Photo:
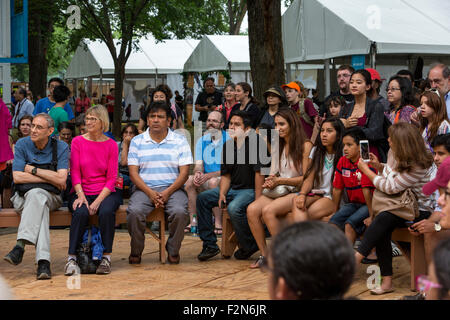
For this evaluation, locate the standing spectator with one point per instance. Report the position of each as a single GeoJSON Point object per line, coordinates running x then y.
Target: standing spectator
{"type": "Point", "coordinates": [343, 79]}
{"type": "Point", "coordinates": [128, 112]}
{"type": "Point", "coordinates": [314, 201]}
{"type": "Point", "coordinates": [248, 102]}
{"type": "Point", "coordinates": [275, 101]}
{"type": "Point", "coordinates": [433, 116]}
{"type": "Point", "coordinates": [109, 104]}
{"type": "Point", "coordinates": [365, 113]}
{"type": "Point", "coordinates": [23, 106]}
{"type": "Point", "coordinates": [158, 161]}
{"type": "Point", "coordinates": [229, 105]}
{"type": "Point", "coordinates": [93, 169]}
{"type": "Point", "coordinates": [208, 156]}
{"type": "Point", "coordinates": [31, 154]}
{"type": "Point", "coordinates": [30, 96]}
{"type": "Point", "coordinates": [179, 102]}
{"type": "Point", "coordinates": [302, 106]}
{"type": "Point", "coordinates": [61, 96]}
{"type": "Point", "coordinates": [82, 103]}
{"type": "Point", "coordinates": [310, 261]}
{"type": "Point", "coordinates": [46, 104]}
{"type": "Point", "coordinates": [287, 171]}
{"type": "Point", "coordinates": [374, 92]}
{"type": "Point", "coordinates": [404, 73]}
{"type": "Point", "coordinates": [408, 167]}
{"type": "Point", "coordinates": [208, 99]}
{"type": "Point", "coordinates": [240, 184]}
{"type": "Point", "coordinates": [439, 77]}
{"type": "Point", "coordinates": [400, 96]}
{"type": "Point", "coordinates": [334, 106]}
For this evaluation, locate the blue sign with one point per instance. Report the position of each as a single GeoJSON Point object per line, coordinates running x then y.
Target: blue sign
{"type": "Point", "coordinates": [358, 62]}
{"type": "Point", "coordinates": [19, 32]}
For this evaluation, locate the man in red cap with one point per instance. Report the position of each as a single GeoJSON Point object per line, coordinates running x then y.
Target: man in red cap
{"type": "Point", "coordinates": [374, 93]}
{"type": "Point", "coordinates": [432, 228]}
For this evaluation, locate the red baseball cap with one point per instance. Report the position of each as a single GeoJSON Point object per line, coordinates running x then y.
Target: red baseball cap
{"type": "Point", "coordinates": [374, 75]}
{"type": "Point", "coordinates": [440, 181]}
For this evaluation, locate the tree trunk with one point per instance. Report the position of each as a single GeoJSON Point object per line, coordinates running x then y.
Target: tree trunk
{"type": "Point", "coordinates": [266, 45]}
{"type": "Point", "coordinates": [39, 32]}
{"type": "Point", "coordinates": [119, 75]}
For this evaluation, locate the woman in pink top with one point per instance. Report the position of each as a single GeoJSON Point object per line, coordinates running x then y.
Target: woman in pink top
{"type": "Point", "coordinates": [93, 168]}
{"type": "Point", "coordinates": [6, 154]}
{"type": "Point", "coordinates": [82, 103]}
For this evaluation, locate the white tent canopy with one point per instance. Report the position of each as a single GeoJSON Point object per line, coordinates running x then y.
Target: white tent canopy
{"type": "Point", "coordinates": [323, 29]}
{"type": "Point", "coordinates": [167, 57]}
{"type": "Point", "coordinates": [220, 52]}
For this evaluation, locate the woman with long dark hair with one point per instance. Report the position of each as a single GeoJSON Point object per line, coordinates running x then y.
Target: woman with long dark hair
{"type": "Point", "coordinates": [287, 170]}
{"type": "Point", "coordinates": [314, 201]}
{"type": "Point", "coordinates": [248, 102]}
{"type": "Point", "coordinates": [400, 96]}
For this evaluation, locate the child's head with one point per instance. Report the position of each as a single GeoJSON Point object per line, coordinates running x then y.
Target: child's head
{"type": "Point", "coordinates": [334, 106]}
{"type": "Point", "coordinates": [432, 105]}
{"type": "Point", "coordinates": [350, 143]}
{"type": "Point", "coordinates": [441, 148]}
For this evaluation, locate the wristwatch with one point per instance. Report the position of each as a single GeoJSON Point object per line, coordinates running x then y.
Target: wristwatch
{"type": "Point", "coordinates": [34, 171]}
{"type": "Point", "coordinates": [437, 227]}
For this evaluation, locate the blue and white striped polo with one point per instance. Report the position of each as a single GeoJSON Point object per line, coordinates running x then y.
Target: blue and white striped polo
{"type": "Point", "coordinates": [159, 162]}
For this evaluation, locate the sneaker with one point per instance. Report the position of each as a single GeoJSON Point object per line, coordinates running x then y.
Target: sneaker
{"type": "Point", "coordinates": [43, 270]}
{"type": "Point", "coordinates": [242, 254]}
{"type": "Point", "coordinates": [15, 255]}
{"type": "Point", "coordinates": [395, 250]}
{"type": "Point", "coordinates": [71, 268]}
{"type": "Point", "coordinates": [104, 267]}
{"type": "Point", "coordinates": [208, 253]}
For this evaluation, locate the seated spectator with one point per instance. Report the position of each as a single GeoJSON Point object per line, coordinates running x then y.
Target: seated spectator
{"type": "Point", "coordinates": [302, 106]}
{"type": "Point", "coordinates": [400, 96]}
{"type": "Point", "coordinates": [128, 133]}
{"type": "Point", "coordinates": [374, 92]}
{"type": "Point", "coordinates": [436, 286]}
{"type": "Point", "coordinates": [66, 132]}
{"type": "Point", "coordinates": [24, 106]}
{"type": "Point", "coordinates": [240, 184]}
{"type": "Point", "coordinates": [334, 106]}
{"type": "Point", "coordinates": [158, 161]}
{"type": "Point", "coordinates": [25, 126]}
{"type": "Point", "coordinates": [93, 169]}
{"type": "Point", "coordinates": [47, 103]}
{"type": "Point", "coordinates": [61, 96]}
{"type": "Point", "coordinates": [408, 167]}
{"type": "Point", "coordinates": [275, 100]}
{"type": "Point", "coordinates": [80, 124]}
{"type": "Point", "coordinates": [310, 261]}
{"type": "Point", "coordinates": [32, 166]}
{"type": "Point", "coordinates": [433, 116]}
{"type": "Point", "coordinates": [229, 105]}
{"type": "Point", "coordinates": [286, 172]}
{"type": "Point", "coordinates": [208, 155]}
{"type": "Point", "coordinates": [365, 113]}
{"type": "Point", "coordinates": [314, 201]}
{"type": "Point", "coordinates": [352, 216]}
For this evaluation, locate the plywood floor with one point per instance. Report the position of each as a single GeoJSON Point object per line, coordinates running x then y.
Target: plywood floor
{"type": "Point", "coordinates": [215, 279]}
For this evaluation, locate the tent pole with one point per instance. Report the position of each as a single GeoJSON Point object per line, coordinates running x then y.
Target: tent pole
{"type": "Point", "coordinates": [373, 55]}
{"type": "Point", "coordinates": [327, 77]}
{"type": "Point", "coordinates": [101, 86]}
{"type": "Point", "coordinates": [288, 72]}
{"type": "Point", "coordinates": [156, 76]}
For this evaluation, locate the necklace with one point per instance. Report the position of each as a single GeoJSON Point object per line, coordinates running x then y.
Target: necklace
{"type": "Point", "coordinates": [329, 161]}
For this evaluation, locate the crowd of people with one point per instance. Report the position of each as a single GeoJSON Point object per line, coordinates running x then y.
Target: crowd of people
{"type": "Point", "coordinates": [344, 174]}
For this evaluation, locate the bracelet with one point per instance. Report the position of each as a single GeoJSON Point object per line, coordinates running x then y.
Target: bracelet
{"type": "Point", "coordinates": [302, 194]}
{"type": "Point", "coordinates": [79, 192]}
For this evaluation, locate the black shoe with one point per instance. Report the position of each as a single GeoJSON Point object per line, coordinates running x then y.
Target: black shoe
{"type": "Point", "coordinates": [43, 270]}
{"type": "Point", "coordinates": [242, 254]}
{"type": "Point", "coordinates": [208, 253]}
{"type": "Point", "coordinates": [369, 261]}
{"type": "Point", "coordinates": [15, 255]}
{"type": "Point", "coordinates": [418, 296]}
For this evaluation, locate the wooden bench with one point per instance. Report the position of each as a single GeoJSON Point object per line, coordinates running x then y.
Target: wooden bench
{"type": "Point", "coordinates": [417, 254]}
{"type": "Point", "coordinates": [62, 217]}
{"type": "Point", "coordinates": [229, 239]}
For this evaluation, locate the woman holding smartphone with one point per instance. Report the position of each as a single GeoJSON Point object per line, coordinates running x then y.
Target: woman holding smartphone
{"type": "Point", "coordinates": [314, 201]}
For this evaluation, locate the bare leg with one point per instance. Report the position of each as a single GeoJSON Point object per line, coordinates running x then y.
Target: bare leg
{"type": "Point", "coordinates": [254, 217]}
{"type": "Point", "coordinates": [320, 209]}
{"type": "Point", "coordinates": [192, 197]}
{"type": "Point", "coordinates": [350, 233]}
{"type": "Point", "coordinates": [275, 212]}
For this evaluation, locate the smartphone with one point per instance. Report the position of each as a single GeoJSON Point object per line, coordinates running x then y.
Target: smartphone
{"type": "Point", "coordinates": [318, 192]}
{"type": "Point", "coordinates": [409, 224]}
{"type": "Point", "coordinates": [364, 150]}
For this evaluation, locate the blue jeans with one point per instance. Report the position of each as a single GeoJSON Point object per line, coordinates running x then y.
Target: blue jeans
{"type": "Point", "coordinates": [237, 202]}
{"type": "Point", "coordinates": [353, 214]}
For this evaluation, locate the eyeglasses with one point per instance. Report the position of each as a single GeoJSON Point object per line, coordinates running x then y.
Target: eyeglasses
{"type": "Point", "coordinates": [424, 285]}
{"type": "Point", "coordinates": [392, 89]}
{"type": "Point", "coordinates": [346, 75]}
{"type": "Point", "coordinates": [434, 90]}
{"type": "Point", "coordinates": [33, 126]}
{"type": "Point", "coordinates": [88, 119]}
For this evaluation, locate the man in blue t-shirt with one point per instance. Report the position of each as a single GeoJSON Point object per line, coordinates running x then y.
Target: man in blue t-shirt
{"type": "Point", "coordinates": [208, 153]}
{"type": "Point", "coordinates": [45, 104]}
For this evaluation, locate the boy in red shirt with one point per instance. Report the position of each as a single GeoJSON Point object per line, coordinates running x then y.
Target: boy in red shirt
{"type": "Point", "coordinates": [354, 216]}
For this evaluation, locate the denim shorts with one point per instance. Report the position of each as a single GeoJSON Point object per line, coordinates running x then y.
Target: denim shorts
{"type": "Point", "coordinates": [353, 214]}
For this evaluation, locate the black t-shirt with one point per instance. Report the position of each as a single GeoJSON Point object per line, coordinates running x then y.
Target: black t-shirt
{"type": "Point", "coordinates": [208, 99]}
{"type": "Point", "coordinates": [242, 169]}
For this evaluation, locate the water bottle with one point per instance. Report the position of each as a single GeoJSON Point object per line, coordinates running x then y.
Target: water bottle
{"type": "Point", "coordinates": [194, 226]}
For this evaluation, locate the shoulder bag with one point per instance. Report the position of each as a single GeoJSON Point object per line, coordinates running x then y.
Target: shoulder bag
{"type": "Point", "coordinates": [403, 204]}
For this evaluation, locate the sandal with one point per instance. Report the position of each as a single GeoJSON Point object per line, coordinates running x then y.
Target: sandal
{"type": "Point", "coordinates": [187, 229]}
{"type": "Point", "coordinates": [218, 231]}
{"type": "Point", "coordinates": [379, 291]}
{"type": "Point", "coordinates": [257, 264]}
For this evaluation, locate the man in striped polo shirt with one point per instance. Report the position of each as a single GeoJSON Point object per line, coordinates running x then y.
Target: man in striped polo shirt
{"type": "Point", "coordinates": [158, 161]}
